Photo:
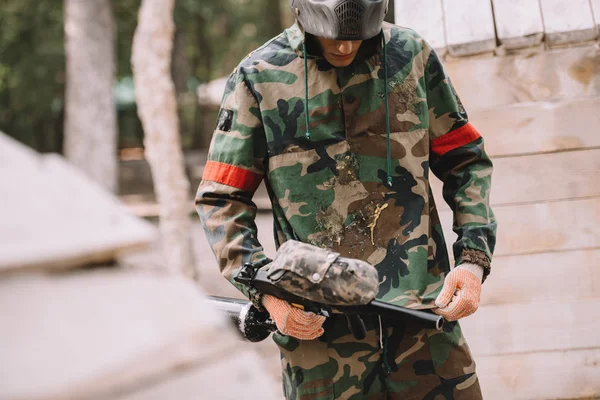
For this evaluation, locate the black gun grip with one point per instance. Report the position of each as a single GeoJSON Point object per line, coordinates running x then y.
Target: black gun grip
{"type": "Point", "coordinates": [357, 326]}
{"type": "Point", "coordinates": [245, 274]}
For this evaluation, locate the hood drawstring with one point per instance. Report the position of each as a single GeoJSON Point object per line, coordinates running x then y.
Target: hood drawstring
{"type": "Point", "coordinates": [387, 115]}
{"type": "Point", "coordinates": [385, 94]}
{"type": "Point", "coordinates": [307, 134]}
{"type": "Point", "coordinates": [383, 337]}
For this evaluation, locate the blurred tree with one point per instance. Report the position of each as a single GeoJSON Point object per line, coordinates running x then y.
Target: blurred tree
{"type": "Point", "coordinates": [157, 108]}
{"type": "Point", "coordinates": [90, 113]}
{"type": "Point", "coordinates": [272, 18]}
{"type": "Point", "coordinates": [213, 36]}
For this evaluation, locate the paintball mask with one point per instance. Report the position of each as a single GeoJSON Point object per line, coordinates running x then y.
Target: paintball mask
{"type": "Point", "coordinates": [340, 19]}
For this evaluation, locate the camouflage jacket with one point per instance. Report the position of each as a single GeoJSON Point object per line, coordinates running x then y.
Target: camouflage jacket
{"type": "Point", "coordinates": [330, 189]}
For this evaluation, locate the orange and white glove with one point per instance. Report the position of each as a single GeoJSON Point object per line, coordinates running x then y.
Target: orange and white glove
{"type": "Point", "coordinates": [461, 292]}
{"type": "Point", "coordinates": [293, 321]}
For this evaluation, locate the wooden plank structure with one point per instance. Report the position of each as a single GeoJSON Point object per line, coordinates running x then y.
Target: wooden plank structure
{"type": "Point", "coordinates": [540, 127]}
{"type": "Point", "coordinates": [537, 76]}
{"type": "Point", "coordinates": [539, 305]}
{"type": "Point", "coordinates": [476, 26]}
{"type": "Point", "coordinates": [103, 228]}
{"type": "Point", "coordinates": [579, 278]}
{"type": "Point", "coordinates": [535, 335]}
{"type": "Point", "coordinates": [543, 227]}
{"type": "Point", "coordinates": [77, 325]}
{"type": "Point", "coordinates": [426, 16]}
{"type": "Point", "coordinates": [518, 23]}
{"type": "Point", "coordinates": [542, 177]}
{"type": "Point", "coordinates": [469, 27]}
{"type": "Point", "coordinates": [578, 327]}
{"type": "Point", "coordinates": [541, 375]}
{"type": "Point", "coordinates": [106, 334]}
{"type": "Point", "coordinates": [568, 21]}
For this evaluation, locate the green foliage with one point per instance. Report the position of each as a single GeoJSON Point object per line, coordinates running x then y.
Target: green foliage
{"type": "Point", "coordinates": [212, 37]}
{"type": "Point", "coordinates": [226, 30]}
{"type": "Point", "coordinates": [32, 71]}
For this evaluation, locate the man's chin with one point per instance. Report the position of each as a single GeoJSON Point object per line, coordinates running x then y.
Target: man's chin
{"type": "Point", "coordinates": [339, 63]}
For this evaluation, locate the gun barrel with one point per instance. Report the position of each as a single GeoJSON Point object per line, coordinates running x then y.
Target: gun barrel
{"type": "Point", "coordinates": [232, 307]}
{"type": "Point", "coordinates": [427, 318]}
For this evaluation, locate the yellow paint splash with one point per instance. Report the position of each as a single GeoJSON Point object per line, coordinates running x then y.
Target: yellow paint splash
{"type": "Point", "coordinates": [376, 215]}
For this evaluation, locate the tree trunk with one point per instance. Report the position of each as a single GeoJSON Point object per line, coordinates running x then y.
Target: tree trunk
{"type": "Point", "coordinates": [390, 14]}
{"type": "Point", "coordinates": [90, 113]}
{"type": "Point", "coordinates": [272, 23]}
{"type": "Point", "coordinates": [157, 109]}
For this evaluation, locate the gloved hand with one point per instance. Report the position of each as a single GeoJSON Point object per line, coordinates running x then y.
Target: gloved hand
{"type": "Point", "coordinates": [461, 292]}
{"type": "Point", "coordinates": [293, 321]}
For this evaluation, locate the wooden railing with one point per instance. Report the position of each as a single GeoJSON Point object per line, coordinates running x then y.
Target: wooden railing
{"type": "Point", "coordinates": [468, 27]}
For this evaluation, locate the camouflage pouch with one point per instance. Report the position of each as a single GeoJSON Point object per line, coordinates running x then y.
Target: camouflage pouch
{"type": "Point", "coordinates": [322, 276]}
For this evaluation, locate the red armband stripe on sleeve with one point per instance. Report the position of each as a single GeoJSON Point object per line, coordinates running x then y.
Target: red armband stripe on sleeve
{"type": "Point", "coordinates": [454, 139]}
{"type": "Point", "coordinates": [230, 175]}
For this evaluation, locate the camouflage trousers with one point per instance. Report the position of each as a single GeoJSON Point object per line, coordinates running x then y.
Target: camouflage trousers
{"type": "Point", "coordinates": [400, 360]}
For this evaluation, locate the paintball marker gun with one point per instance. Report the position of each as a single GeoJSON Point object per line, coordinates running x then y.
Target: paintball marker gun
{"type": "Point", "coordinates": [255, 325]}
{"type": "Point", "coordinates": [319, 281]}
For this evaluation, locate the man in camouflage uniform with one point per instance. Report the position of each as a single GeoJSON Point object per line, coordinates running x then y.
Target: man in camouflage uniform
{"type": "Point", "coordinates": [344, 118]}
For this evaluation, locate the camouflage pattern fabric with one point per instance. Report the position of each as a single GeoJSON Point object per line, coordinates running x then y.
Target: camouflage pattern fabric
{"type": "Point", "coordinates": [420, 364]}
{"type": "Point", "coordinates": [330, 190]}
{"type": "Point", "coordinates": [322, 276]}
